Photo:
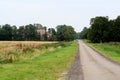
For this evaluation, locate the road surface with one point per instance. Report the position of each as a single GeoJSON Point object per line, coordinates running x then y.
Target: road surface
{"type": "Point", "coordinates": [95, 66]}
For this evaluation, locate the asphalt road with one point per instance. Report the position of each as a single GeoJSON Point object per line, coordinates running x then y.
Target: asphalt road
{"type": "Point", "coordinates": [96, 67]}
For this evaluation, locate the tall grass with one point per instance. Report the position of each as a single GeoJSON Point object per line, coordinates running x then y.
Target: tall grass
{"type": "Point", "coordinates": [22, 51]}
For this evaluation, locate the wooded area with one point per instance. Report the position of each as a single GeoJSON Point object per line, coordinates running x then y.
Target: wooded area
{"type": "Point", "coordinates": [102, 30]}
{"type": "Point", "coordinates": [30, 33]}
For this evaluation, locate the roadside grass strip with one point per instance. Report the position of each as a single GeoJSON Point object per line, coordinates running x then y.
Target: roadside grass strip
{"type": "Point", "coordinates": [110, 50]}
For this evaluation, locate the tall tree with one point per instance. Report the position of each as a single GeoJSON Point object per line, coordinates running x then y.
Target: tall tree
{"type": "Point", "coordinates": [112, 30]}
{"type": "Point", "coordinates": [7, 32]}
{"type": "Point", "coordinates": [99, 29]}
{"type": "Point", "coordinates": [30, 32]}
{"type": "Point", "coordinates": [14, 33]}
{"type": "Point", "coordinates": [116, 29]}
{"type": "Point", "coordinates": [52, 34]}
{"type": "Point", "coordinates": [83, 33]}
{"type": "Point", "coordinates": [65, 32]}
{"type": "Point", "coordinates": [38, 26]}
{"type": "Point", "coordinates": [1, 33]}
{"type": "Point", "coordinates": [21, 33]}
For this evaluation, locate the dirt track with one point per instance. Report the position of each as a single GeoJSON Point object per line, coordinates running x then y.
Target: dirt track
{"type": "Point", "coordinates": [92, 66]}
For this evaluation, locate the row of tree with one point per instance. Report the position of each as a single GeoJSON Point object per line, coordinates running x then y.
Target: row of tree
{"type": "Point", "coordinates": [102, 30]}
{"type": "Point", "coordinates": [29, 33]}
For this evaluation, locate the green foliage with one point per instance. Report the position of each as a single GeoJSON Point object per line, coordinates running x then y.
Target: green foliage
{"type": "Point", "coordinates": [30, 33]}
{"type": "Point", "coordinates": [38, 26]}
{"type": "Point", "coordinates": [52, 34]}
{"type": "Point", "coordinates": [98, 30]}
{"type": "Point", "coordinates": [21, 33]}
{"type": "Point", "coordinates": [103, 30]}
{"type": "Point", "coordinates": [116, 29]}
{"type": "Point", "coordinates": [83, 33]}
{"type": "Point", "coordinates": [65, 33]}
{"type": "Point", "coordinates": [6, 32]}
{"type": "Point", "coordinates": [14, 33]}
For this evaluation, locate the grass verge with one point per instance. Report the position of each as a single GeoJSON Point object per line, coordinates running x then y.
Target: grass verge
{"type": "Point", "coordinates": [110, 50]}
{"type": "Point", "coordinates": [47, 66]}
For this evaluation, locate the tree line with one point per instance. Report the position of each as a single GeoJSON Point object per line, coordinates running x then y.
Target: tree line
{"type": "Point", "coordinates": [29, 33]}
{"type": "Point", "coordinates": [102, 29]}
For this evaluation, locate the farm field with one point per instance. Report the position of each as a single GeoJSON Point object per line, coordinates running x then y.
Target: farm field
{"type": "Point", "coordinates": [35, 60]}
{"type": "Point", "coordinates": [10, 51]}
{"type": "Point", "coordinates": [110, 50]}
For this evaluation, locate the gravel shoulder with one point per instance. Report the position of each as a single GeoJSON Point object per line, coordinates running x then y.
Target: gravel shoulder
{"type": "Point", "coordinates": [75, 72]}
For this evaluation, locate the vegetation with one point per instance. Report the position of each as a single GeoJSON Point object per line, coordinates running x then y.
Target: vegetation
{"type": "Point", "coordinates": [102, 30]}
{"type": "Point", "coordinates": [53, 36]}
{"type": "Point", "coordinates": [65, 33]}
{"type": "Point", "coordinates": [16, 51]}
{"type": "Point", "coordinates": [104, 36]}
{"type": "Point", "coordinates": [110, 50]}
{"type": "Point", "coordinates": [83, 33]}
{"type": "Point", "coordinates": [30, 33]}
{"type": "Point", "coordinates": [47, 66]}
{"type": "Point", "coordinates": [99, 30]}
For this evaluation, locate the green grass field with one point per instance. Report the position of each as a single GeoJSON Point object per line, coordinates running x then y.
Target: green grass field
{"type": "Point", "coordinates": [47, 66]}
{"type": "Point", "coordinates": [110, 50]}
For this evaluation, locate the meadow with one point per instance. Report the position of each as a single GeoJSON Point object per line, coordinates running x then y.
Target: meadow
{"type": "Point", "coordinates": [110, 50]}
{"type": "Point", "coordinates": [35, 60]}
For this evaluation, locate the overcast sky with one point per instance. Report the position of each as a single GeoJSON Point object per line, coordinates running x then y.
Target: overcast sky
{"type": "Point", "coordinates": [51, 13]}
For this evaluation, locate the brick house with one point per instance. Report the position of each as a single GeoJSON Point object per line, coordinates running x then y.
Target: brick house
{"type": "Point", "coordinates": [41, 33]}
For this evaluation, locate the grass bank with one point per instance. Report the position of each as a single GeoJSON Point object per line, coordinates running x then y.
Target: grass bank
{"type": "Point", "coordinates": [47, 66]}
{"type": "Point", "coordinates": [110, 50]}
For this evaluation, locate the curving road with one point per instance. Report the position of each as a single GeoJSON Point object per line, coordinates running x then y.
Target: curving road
{"type": "Point", "coordinates": [95, 66]}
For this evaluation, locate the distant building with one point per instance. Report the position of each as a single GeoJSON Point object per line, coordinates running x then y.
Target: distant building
{"type": "Point", "coordinates": [41, 33]}
{"type": "Point", "coordinates": [41, 30]}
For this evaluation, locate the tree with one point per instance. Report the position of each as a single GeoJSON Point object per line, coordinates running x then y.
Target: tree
{"type": "Point", "coordinates": [83, 33]}
{"type": "Point", "coordinates": [116, 29]}
{"type": "Point", "coordinates": [21, 33]}
{"type": "Point", "coordinates": [52, 34]}
{"type": "Point", "coordinates": [14, 33]}
{"type": "Point", "coordinates": [6, 32]}
{"type": "Point", "coordinates": [38, 26]}
{"type": "Point", "coordinates": [1, 33]}
{"type": "Point", "coordinates": [65, 33]}
{"type": "Point", "coordinates": [30, 32]}
{"type": "Point", "coordinates": [98, 31]}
